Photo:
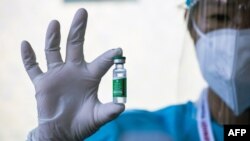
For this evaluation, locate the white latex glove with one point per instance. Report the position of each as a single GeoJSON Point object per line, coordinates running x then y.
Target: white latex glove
{"type": "Point", "coordinates": [66, 95]}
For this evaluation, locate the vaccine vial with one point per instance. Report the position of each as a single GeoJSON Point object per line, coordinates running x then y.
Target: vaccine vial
{"type": "Point", "coordinates": [119, 80]}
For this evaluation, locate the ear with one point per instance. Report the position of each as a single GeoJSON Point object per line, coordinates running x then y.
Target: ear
{"type": "Point", "coordinates": [190, 25]}
{"type": "Point", "coordinates": [185, 14]}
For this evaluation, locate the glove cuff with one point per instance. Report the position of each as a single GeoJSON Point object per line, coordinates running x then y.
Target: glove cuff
{"type": "Point", "coordinates": [32, 135]}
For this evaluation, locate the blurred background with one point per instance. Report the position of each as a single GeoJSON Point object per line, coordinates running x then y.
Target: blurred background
{"type": "Point", "coordinates": [161, 64]}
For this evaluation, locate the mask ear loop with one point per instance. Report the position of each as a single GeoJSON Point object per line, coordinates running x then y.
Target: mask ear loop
{"type": "Point", "coordinates": [191, 17]}
{"type": "Point", "coordinates": [199, 32]}
{"type": "Point", "coordinates": [197, 29]}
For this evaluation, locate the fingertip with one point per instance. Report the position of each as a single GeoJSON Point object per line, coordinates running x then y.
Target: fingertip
{"type": "Point", "coordinates": [120, 107]}
{"type": "Point", "coordinates": [55, 21]}
{"type": "Point", "coordinates": [119, 51]}
{"type": "Point", "coordinates": [80, 16]}
{"type": "Point", "coordinates": [26, 50]}
{"type": "Point", "coordinates": [25, 46]}
{"type": "Point", "coordinates": [82, 11]}
{"type": "Point", "coordinates": [53, 29]}
{"type": "Point", "coordinates": [113, 109]}
{"type": "Point", "coordinates": [28, 55]}
{"type": "Point", "coordinates": [54, 24]}
{"type": "Point", "coordinates": [24, 43]}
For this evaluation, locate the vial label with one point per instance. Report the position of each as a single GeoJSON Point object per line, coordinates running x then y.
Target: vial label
{"type": "Point", "coordinates": [119, 87]}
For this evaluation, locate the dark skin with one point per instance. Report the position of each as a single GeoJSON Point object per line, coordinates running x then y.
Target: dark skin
{"type": "Point", "coordinates": [213, 15]}
{"type": "Point", "coordinates": [221, 113]}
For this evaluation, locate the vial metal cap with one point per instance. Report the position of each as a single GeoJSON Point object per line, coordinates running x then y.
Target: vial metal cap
{"type": "Point", "coordinates": [119, 59]}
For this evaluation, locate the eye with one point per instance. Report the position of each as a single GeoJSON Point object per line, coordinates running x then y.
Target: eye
{"type": "Point", "coordinates": [219, 18]}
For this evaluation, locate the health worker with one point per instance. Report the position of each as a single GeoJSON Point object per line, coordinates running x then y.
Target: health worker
{"type": "Point", "coordinates": [67, 103]}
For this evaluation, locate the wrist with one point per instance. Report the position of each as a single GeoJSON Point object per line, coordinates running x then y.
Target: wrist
{"type": "Point", "coordinates": [39, 134]}
{"type": "Point", "coordinates": [32, 136]}
{"type": "Point", "coordinates": [45, 134]}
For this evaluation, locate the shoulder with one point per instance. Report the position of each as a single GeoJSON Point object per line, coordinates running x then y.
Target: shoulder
{"type": "Point", "coordinates": [186, 109]}
{"type": "Point", "coordinates": [160, 121]}
{"type": "Point", "coordinates": [130, 120]}
{"type": "Point", "coordinates": [154, 119]}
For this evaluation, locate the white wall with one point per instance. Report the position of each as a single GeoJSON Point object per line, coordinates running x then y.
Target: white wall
{"type": "Point", "coordinates": [151, 32]}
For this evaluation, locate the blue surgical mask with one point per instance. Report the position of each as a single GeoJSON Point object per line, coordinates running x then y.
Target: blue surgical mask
{"type": "Point", "coordinates": [224, 59]}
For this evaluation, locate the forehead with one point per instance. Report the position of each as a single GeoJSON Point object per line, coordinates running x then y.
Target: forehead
{"type": "Point", "coordinates": [224, 2]}
{"type": "Point", "coordinates": [228, 6]}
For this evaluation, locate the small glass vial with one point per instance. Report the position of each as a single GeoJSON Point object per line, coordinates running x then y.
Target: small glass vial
{"type": "Point", "coordinates": [119, 80]}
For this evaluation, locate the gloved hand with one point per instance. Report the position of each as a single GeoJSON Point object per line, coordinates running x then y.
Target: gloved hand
{"type": "Point", "coordinates": [66, 95]}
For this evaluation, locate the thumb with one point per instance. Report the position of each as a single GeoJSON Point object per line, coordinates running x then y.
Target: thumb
{"type": "Point", "coordinates": [108, 112]}
{"type": "Point", "coordinates": [102, 63]}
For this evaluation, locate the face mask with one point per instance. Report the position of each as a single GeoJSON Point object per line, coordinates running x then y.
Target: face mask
{"type": "Point", "coordinates": [224, 59]}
